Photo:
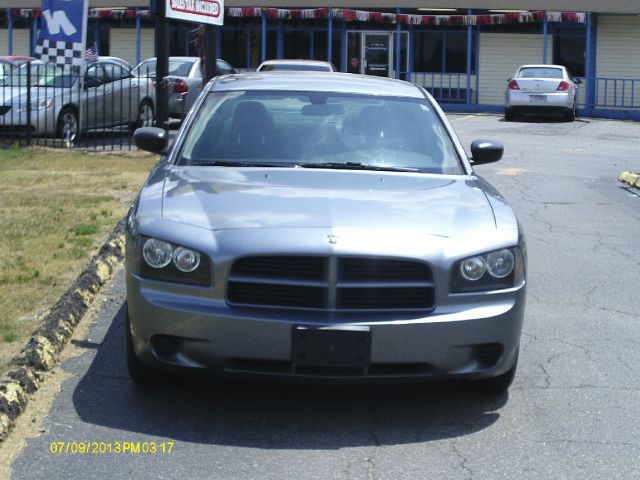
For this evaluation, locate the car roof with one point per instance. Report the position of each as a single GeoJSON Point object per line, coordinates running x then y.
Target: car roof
{"type": "Point", "coordinates": [296, 62]}
{"type": "Point", "coordinates": [541, 66]}
{"type": "Point", "coordinates": [316, 82]}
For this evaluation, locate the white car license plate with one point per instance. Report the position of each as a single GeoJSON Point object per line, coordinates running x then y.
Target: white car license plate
{"type": "Point", "coordinates": [537, 98]}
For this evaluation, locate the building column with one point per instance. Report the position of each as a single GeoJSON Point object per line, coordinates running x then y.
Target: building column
{"type": "Point", "coordinates": [280, 41]}
{"type": "Point", "coordinates": [397, 46]}
{"type": "Point", "coordinates": [469, 57]}
{"type": "Point", "coordinates": [263, 46]}
{"type": "Point", "coordinates": [138, 32]}
{"type": "Point", "coordinates": [545, 37]}
{"type": "Point", "coordinates": [9, 32]}
{"type": "Point", "coordinates": [34, 34]}
{"type": "Point", "coordinates": [410, 49]}
{"type": "Point", "coordinates": [590, 64]}
{"type": "Point", "coordinates": [343, 47]}
{"type": "Point", "coordinates": [330, 36]}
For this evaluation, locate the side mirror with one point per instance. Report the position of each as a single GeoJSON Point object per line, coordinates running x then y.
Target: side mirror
{"type": "Point", "coordinates": [577, 81]}
{"type": "Point", "coordinates": [486, 151]}
{"type": "Point", "coordinates": [151, 139]}
{"type": "Point", "coordinates": [91, 82]}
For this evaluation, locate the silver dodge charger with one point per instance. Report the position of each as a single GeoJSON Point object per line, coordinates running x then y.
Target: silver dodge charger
{"type": "Point", "coordinates": [322, 227]}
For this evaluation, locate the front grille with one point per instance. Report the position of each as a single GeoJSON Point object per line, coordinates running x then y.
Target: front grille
{"type": "Point", "coordinates": [331, 283]}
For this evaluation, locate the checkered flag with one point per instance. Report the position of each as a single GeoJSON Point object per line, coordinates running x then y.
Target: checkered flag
{"type": "Point", "coordinates": [61, 53]}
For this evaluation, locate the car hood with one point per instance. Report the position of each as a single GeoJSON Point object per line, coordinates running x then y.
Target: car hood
{"type": "Point", "coordinates": [221, 198]}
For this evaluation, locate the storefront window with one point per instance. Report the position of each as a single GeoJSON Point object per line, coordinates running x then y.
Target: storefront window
{"type": "Point", "coordinates": [441, 51]}
{"type": "Point", "coordinates": [297, 44]}
{"type": "Point", "coordinates": [569, 50]}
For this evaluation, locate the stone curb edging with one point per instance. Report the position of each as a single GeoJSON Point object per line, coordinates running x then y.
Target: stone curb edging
{"type": "Point", "coordinates": [630, 178]}
{"type": "Point", "coordinates": [42, 351]}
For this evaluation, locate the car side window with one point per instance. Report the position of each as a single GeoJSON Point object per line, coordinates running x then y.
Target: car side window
{"type": "Point", "coordinates": [94, 77]}
{"type": "Point", "coordinates": [224, 68]}
{"type": "Point", "coordinates": [115, 72]}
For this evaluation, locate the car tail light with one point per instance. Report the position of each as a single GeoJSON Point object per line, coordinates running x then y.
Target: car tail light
{"type": "Point", "coordinates": [564, 86]}
{"type": "Point", "coordinates": [513, 85]}
{"type": "Point", "coordinates": [180, 86]}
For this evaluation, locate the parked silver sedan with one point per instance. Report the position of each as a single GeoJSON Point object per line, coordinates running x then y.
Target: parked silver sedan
{"type": "Point", "coordinates": [541, 89]}
{"type": "Point", "coordinates": [322, 227]}
{"type": "Point", "coordinates": [184, 80]}
{"type": "Point", "coordinates": [62, 103]}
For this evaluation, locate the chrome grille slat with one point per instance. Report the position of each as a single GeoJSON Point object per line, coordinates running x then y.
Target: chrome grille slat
{"type": "Point", "coordinates": [331, 283]}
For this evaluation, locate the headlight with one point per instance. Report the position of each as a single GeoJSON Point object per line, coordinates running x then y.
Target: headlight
{"type": "Point", "coordinates": [491, 271]}
{"type": "Point", "coordinates": [156, 253]}
{"type": "Point", "coordinates": [160, 260]}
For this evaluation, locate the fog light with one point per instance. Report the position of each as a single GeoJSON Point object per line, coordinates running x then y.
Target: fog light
{"type": "Point", "coordinates": [185, 259]}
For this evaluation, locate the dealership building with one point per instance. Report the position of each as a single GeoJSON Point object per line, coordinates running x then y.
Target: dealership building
{"type": "Point", "coordinates": [463, 51]}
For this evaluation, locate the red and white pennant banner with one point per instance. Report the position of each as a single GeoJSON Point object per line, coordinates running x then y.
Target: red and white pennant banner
{"type": "Point", "coordinates": [349, 15]}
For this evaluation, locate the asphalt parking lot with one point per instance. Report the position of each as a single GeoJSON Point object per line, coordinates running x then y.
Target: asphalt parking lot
{"type": "Point", "coordinates": [573, 411]}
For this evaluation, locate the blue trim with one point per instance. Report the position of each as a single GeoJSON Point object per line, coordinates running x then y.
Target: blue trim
{"type": "Point", "coordinates": [247, 47]}
{"type": "Point", "coordinates": [263, 46]}
{"type": "Point", "coordinates": [397, 47]}
{"type": "Point", "coordinates": [9, 32]}
{"type": "Point", "coordinates": [444, 52]}
{"type": "Point", "coordinates": [461, 107]}
{"type": "Point", "coordinates": [469, 57]}
{"type": "Point", "coordinates": [545, 37]}
{"type": "Point", "coordinates": [138, 32]}
{"type": "Point", "coordinates": [330, 36]}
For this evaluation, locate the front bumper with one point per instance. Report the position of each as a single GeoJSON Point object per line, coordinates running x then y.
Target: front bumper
{"type": "Point", "coordinates": [42, 121]}
{"type": "Point", "coordinates": [477, 336]}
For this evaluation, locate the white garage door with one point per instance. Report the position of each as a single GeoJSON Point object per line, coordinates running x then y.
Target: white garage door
{"type": "Point", "coordinates": [500, 55]}
{"type": "Point", "coordinates": [123, 43]}
{"type": "Point", "coordinates": [21, 42]}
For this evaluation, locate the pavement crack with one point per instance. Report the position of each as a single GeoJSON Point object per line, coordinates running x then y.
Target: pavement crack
{"type": "Point", "coordinates": [463, 462]}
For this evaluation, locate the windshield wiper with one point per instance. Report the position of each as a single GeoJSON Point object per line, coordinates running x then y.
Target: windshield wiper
{"type": "Point", "coordinates": [357, 166]}
{"type": "Point", "coordinates": [233, 163]}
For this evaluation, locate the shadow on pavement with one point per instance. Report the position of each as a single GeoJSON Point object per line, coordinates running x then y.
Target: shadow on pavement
{"type": "Point", "coordinates": [274, 416]}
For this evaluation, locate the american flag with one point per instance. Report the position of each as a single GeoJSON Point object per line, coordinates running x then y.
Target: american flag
{"type": "Point", "coordinates": [91, 54]}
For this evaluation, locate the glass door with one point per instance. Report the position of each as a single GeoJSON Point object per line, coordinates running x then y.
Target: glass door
{"type": "Point", "coordinates": [377, 54]}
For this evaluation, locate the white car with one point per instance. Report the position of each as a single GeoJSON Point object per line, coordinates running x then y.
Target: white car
{"type": "Point", "coordinates": [541, 90]}
{"type": "Point", "coordinates": [297, 65]}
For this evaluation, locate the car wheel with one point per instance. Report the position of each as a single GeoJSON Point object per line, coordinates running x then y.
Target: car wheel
{"type": "Point", "coordinates": [496, 385]}
{"type": "Point", "coordinates": [68, 127]}
{"type": "Point", "coordinates": [509, 115]}
{"type": "Point", "coordinates": [138, 371]}
{"type": "Point", "coordinates": [146, 115]}
{"type": "Point", "coordinates": [571, 114]}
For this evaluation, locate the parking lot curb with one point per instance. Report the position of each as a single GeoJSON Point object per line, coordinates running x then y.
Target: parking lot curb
{"type": "Point", "coordinates": [630, 178]}
{"type": "Point", "coordinates": [42, 351]}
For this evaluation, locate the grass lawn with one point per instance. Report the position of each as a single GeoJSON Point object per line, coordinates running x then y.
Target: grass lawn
{"type": "Point", "coordinates": [56, 209]}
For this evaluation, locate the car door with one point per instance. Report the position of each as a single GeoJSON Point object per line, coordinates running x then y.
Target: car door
{"type": "Point", "coordinates": [119, 87]}
{"type": "Point", "coordinates": [93, 110]}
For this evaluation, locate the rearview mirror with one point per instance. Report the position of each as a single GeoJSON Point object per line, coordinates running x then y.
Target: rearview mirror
{"type": "Point", "coordinates": [151, 139]}
{"type": "Point", "coordinates": [486, 151]}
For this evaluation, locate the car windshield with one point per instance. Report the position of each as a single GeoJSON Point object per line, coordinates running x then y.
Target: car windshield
{"type": "Point", "coordinates": [42, 75]}
{"type": "Point", "coordinates": [177, 67]}
{"type": "Point", "coordinates": [317, 129]}
{"type": "Point", "coordinates": [295, 67]}
{"type": "Point", "coordinates": [540, 72]}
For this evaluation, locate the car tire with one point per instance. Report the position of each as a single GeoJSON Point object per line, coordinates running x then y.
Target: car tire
{"type": "Point", "coordinates": [496, 385]}
{"type": "Point", "coordinates": [571, 114]}
{"type": "Point", "coordinates": [509, 115]}
{"type": "Point", "coordinates": [68, 127]}
{"type": "Point", "coordinates": [146, 115]}
{"type": "Point", "coordinates": [140, 373]}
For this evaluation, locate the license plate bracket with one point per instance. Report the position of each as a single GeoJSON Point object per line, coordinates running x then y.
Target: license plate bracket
{"type": "Point", "coordinates": [346, 347]}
